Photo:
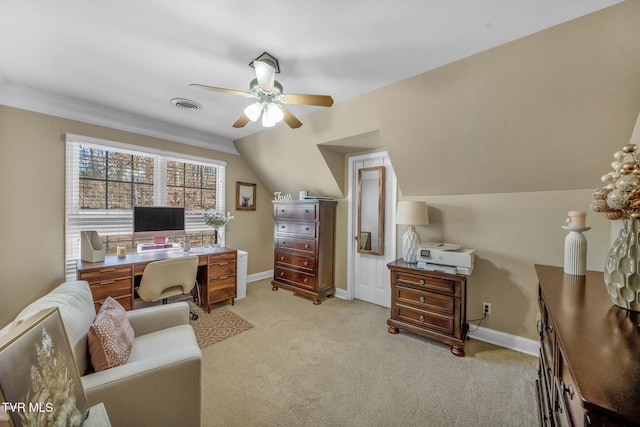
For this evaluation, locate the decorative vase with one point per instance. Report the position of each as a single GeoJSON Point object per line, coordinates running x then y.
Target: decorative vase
{"type": "Point", "coordinates": [575, 250]}
{"type": "Point", "coordinates": [621, 273]}
{"type": "Point", "coordinates": [215, 238]}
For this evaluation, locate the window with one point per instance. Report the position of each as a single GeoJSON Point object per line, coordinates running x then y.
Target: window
{"type": "Point", "coordinates": [105, 179]}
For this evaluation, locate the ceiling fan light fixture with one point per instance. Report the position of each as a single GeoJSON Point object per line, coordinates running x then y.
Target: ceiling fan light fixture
{"type": "Point", "coordinates": [266, 74]}
{"type": "Point", "coordinates": [272, 113]}
{"type": "Point", "coordinates": [253, 111]}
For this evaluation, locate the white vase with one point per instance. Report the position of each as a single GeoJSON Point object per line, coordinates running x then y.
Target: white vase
{"type": "Point", "coordinates": [575, 250]}
{"type": "Point", "coordinates": [410, 241]}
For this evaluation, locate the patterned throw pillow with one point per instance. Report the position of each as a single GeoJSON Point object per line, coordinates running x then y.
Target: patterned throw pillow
{"type": "Point", "coordinates": [110, 336]}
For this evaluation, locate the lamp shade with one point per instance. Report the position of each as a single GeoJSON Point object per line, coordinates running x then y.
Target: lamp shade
{"type": "Point", "coordinates": [412, 212]}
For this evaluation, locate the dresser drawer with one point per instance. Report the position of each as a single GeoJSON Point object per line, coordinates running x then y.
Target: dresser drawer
{"type": "Point", "coordinates": [304, 229]}
{"type": "Point", "coordinates": [297, 211]}
{"type": "Point", "coordinates": [104, 273]}
{"type": "Point", "coordinates": [296, 278]}
{"type": "Point", "coordinates": [426, 320]}
{"type": "Point", "coordinates": [427, 282]}
{"type": "Point", "coordinates": [303, 245]}
{"type": "Point", "coordinates": [425, 300]}
{"type": "Point", "coordinates": [295, 261]}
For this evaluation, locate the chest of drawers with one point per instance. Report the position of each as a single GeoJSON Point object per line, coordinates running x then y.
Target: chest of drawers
{"type": "Point", "coordinates": [221, 280]}
{"type": "Point", "coordinates": [428, 303]}
{"type": "Point", "coordinates": [304, 234]}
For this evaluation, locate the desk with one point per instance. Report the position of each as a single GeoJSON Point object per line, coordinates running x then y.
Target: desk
{"type": "Point", "coordinates": [115, 277]}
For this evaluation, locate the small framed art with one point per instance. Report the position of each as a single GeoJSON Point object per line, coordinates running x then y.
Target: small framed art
{"type": "Point", "coordinates": [245, 196]}
{"type": "Point", "coordinates": [39, 380]}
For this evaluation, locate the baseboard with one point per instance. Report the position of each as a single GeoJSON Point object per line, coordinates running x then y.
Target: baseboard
{"type": "Point", "coordinates": [340, 293]}
{"type": "Point", "coordinates": [259, 276]}
{"type": "Point", "coordinates": [502, 339]}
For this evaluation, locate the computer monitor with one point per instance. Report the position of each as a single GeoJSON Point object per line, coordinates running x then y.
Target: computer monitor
{"type": "Point", "coordinates": [158, 222]}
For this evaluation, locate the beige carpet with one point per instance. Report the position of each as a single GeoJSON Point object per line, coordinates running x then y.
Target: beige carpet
{"type": "Point", "coordinates": [335, 364]}
{"type": "Point", "coordinates": [213, 327]}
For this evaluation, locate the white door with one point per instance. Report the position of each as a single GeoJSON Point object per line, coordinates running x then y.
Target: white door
{"type": "Point", "coordinates": [369, 275]}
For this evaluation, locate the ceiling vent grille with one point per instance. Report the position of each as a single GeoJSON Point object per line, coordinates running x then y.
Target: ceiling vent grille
{"type": "Point", "coordinates": [186, 104]}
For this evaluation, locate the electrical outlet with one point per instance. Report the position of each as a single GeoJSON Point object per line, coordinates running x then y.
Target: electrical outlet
{"type": "Point", "coordinates": [486, 308]}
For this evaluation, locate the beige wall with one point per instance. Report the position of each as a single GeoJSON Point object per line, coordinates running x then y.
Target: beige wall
{"type": "Point", "coordinates": [501, 144]}
{"type": "Point", "coordinates": [32, 192]}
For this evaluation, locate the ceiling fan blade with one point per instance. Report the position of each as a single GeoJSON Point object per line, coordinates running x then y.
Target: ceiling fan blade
{"type": "Point", "coordinates": [319, 100]}
{"type": "Point", "coordinates": [290, 119]}
{"type": "Point", "coordinates": [241, 122]}
{"type": "Point", "coordinates": [221, 89]}
{"type": "Point", "coordinates": [265, 74]}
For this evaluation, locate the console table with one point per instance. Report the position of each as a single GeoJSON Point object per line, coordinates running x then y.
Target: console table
{"type": "Point", "coordinates": [429, 303]}
{"type": "Point", "coordinates": [115, 277]}
{"type": "Point", "coordinates": [589, 369]}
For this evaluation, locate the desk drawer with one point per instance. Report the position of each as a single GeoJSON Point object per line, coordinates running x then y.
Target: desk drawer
{"type": "Point", "coordinates": [427, 301]}
{"type": "Point", "coordinates": [222, 269]}
{"type": "Point", "coordinates": [220, 259]}
{"type": "Point", "coordinates": [104, 273]}
{"type": "Point", "coordinates": [304, 229]}
{"type": "Point", "coordinates": [111, 288]}
{"type": "Point", "coordinates": [426, 320]}
{"type": "Point", "coordinates": [222, 289]}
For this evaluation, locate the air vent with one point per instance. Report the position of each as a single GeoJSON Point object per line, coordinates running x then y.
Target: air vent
{"type": "Point", "coordinates": [186, 104]}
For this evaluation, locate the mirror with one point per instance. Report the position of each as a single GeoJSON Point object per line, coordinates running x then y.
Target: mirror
{"type": "Point", "coordinates": [371, 210]}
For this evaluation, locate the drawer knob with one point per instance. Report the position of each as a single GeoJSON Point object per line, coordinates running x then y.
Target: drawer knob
{"type": "Point", "coordinates": [281, 274]}
{"type": "Point", "coordinates": [281, 210]}
{"type": "Point", "coordinates": [307, 211]}
{"type": "Point", "coordinates": [421, 299]}
{"type": "Point", "coordinates": [306, 263]}
{"type": "Point", "coordinates": [281, 258]}
{"type": "Point", "coordinates": [306, 246]}
{"type": "Point", "coordinates": [421, 318]}
{"type": "Point", "coordinates": [421, 281]}
{"type": "Point", "coordinates": [306, 228]}
{"type": "Point", "coordinates": [284, 243]}
{"type": "Point", "coordinates": [305, 280]}
{"type": "Point", "coordinates": [282, 226]}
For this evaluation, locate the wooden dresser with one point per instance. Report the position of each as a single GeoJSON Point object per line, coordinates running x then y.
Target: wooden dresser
{"type": "Point", "coordinates": [304, 234]}
{"type": "Point", "coordinates": [429, 303]}
{"type": "Point", "coordinates": [589, 368]}
{"type": "Point", "coordinates": [116, 277]}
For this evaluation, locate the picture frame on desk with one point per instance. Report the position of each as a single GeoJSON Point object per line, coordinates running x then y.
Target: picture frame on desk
{"type": "Point", "coordinates": [245, 196]}
{"type": "Point", "coordinates": [39, 379]}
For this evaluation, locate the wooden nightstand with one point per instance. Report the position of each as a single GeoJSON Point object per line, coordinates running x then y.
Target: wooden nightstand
{"type": "Point", "coordinates": [429, 303]}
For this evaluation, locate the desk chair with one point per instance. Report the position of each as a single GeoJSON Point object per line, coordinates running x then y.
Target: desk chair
{"type": "Point", "coordinates": [169, 277]}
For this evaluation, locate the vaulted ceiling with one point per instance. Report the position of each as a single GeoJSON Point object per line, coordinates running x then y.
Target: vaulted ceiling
{"type": "Point", "coordinates": [119, 63]}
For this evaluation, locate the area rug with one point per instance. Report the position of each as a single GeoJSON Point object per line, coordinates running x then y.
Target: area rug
{"type": "Point", "coordinates": [213, 327]}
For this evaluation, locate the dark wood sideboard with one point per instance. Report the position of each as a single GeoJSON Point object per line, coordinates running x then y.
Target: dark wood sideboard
{"type": "Point", "coordinates": [304, 246]}
{"type": "Point", "coordinates": [429, 303]}
{"type": "Point", "coordinates": [589, 368]}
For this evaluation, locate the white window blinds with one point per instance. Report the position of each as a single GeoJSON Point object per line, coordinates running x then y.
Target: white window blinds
{"type": "Point", "coordinates": [105, 179]}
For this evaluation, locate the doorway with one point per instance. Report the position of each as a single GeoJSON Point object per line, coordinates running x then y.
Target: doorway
{"type": "Point", "coordinates": [368, 275]}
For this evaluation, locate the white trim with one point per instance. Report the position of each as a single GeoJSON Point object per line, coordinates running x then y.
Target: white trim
{"type": "Point", "coordinates": [72, 137]}
{"type": "Point", "coordinates": [259, 276]}
{"type": "Point", "coordinates": [25, 98]}
{"type": "Point", "coordinates": [502, 339]}
{"type": "Point", "coordinates": [341, 293]}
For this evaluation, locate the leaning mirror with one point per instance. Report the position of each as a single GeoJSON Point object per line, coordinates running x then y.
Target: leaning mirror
{"type": "Point", "coordinates": [370, 235]}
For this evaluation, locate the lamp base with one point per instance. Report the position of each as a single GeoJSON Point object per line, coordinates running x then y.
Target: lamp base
{"type": "Point", "coordinates": [410, 241]}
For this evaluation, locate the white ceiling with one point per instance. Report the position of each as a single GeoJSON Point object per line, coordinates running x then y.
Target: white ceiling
{"type": "Point", "coordinates": [119, 62]}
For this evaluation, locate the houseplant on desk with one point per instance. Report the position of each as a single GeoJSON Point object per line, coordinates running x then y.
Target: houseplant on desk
{"type": "Point", "coordinates": [217, 220]}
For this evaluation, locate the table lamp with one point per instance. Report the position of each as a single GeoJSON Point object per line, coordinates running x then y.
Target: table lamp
{"type": "Point", "coordinates": [411, 213]}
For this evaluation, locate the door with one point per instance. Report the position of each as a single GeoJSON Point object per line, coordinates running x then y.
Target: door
{"type": "Point", "coordinates": [368, 273]}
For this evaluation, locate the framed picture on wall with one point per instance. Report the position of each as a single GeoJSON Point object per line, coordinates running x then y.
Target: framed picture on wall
{"type": "Point", "coordinates": [245, 196]}
{"type": "Point", "coordinates": [38, 375]}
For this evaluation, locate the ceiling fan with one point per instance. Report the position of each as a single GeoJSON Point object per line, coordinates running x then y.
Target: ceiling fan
{"type": "Point", "coordinates": [270, 99]}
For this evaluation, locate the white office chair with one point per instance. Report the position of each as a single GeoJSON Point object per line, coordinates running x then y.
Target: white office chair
{"type": "Point", "coordinates": [169, 277]}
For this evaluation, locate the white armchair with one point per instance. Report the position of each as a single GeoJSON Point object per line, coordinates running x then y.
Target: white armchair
{"type": "Point", "coordinates": [160, 385]}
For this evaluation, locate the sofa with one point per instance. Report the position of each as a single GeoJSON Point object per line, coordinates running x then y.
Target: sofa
{"type": "Point", "coordinates": [160, 383]}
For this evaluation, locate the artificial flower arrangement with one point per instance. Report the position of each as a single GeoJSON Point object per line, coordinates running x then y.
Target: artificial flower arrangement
{"type": "Point", "coordinates": [620, 197]}
{"type": "Point", "coordinates": [217, 219]}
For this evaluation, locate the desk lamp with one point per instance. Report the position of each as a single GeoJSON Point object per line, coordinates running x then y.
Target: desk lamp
{"type": "Point", "coordinates": [411, 213]}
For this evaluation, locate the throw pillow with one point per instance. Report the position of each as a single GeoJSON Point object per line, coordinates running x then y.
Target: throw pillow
{"type": "Point", "coordinates": [110, 336]}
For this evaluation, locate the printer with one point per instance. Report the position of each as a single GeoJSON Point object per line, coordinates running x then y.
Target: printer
{"type": "Point", "coordinates": [445, 258]}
